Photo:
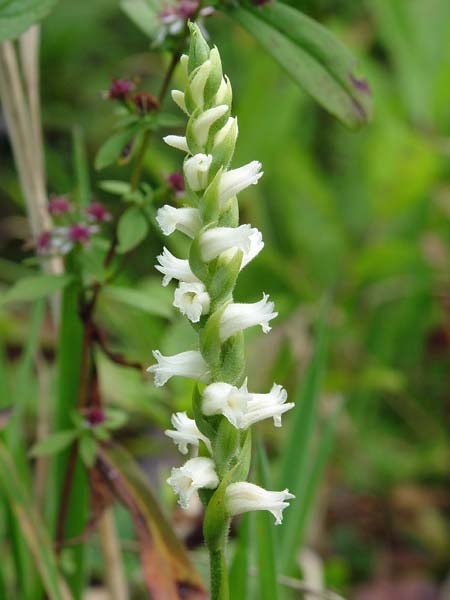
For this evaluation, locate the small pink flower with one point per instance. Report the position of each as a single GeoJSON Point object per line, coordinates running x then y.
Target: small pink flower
{"type": "Point", "coordinates": [95, 416]}
{"type": "Point", "coordinates": [59, 205]}
{"type": "Point", "coordinates": [187, 8]}
{"type": "Point", "coordinates": [120, 88]}
{"type": "Point", "coordinates": [176, 182]}
{"type": "Point", "coordinates": [44, 242]}
{"type": "Point", "coordinates": [80, 233]}
{"type": "Point", "coordinates": [97, 212]}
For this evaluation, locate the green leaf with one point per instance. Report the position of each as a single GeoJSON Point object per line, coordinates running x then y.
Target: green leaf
{"type": "Point", "coordinates": [35, 287]}
{"type": "Point", "coordinates": [137, 299]}
{"type": "Point", "coordinates": [117, 188]}
{"type": "Point", "coordinates": [88, 449]}
{"type": "Point", "coordinates": [266, 550]}
{"type": "Point", "coordinates": [239, 569]}
{"type": "Point", "coordinates": [54, 443]}
{"type": "Point", "coordinates": [113, 147]}
{"type": "Point", "coordinates": [32, 527]}
{"type": "Point", "coordinates": [115, 419]}
{"type": "Point", "coordinates": [81, 167]}
{"type": "Point", "coordinates": [313, 57]}
{"type": "Point", "coordinates": [144, 14]}
{"type": "Point", "coordinates": [16, 16]}
{"type": "Point", "coordinates": [131, 229]}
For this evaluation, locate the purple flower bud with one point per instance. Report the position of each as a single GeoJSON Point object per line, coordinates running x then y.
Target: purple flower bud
{"type": "Point", "coordinates": [95, 416]}
{"type": "Point", "coordinates": [97, 212]}
{"type": "Point", "coordinates": [80, 233]}
{"type": "Point", "coordinates": [59, 205]}
{"type": "Point", "coordinates": [120, 88]}
{"type": "Point", "coordinates": [176, 181]}
{"type": "Point", "coordinates": [44, 241]}
{"type": "Point", "coordinates": [187, 8]}
{"type": "Point", "coordinates": [145, 102]}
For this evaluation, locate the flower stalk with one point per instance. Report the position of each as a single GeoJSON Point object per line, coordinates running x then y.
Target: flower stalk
{"type": "Point", "coordinates": [223, 409]}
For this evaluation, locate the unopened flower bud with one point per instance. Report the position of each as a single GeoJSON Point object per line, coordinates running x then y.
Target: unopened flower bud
{"type": "Point", "coordinates": [120, 89]}
{"type": "Point", "coordinates": [196, 170]}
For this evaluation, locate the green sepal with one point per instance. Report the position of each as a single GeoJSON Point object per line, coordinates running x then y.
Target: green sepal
{"type": "Point", "coordinates": [198, 266]}
{"type": "Point", "coordinates": [223, 152]}
{"type": "Point", "coordinates": [198, 48]}
{"type": "Point", "coordinates": [194, 148]}
{"type": "Point", "coordinates": [217, 521]}
{"type": "Point", "coordinates": [188, 100]}
{"type": "Point", "coordinates": [230, 214]}
{"type": "Point", "coordinates": [201, 421]}
{"type": "Point", "coordinates": [232, 369]}
{"type": "Point", "coordinates": [209, 204]}
{"type": "Point", "coordinates": [224, 278]}
{"type": "Point", "coordinates": [214, 79]}
{"type": "Point", "coordinates": [225, 446]}
{"type": "Point", "coordinates": [210, 344]}
{"type": "Point", "coordinates": [215, 127]}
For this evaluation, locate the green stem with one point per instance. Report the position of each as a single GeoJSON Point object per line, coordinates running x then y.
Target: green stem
{"type": "Point", "coordinates": [219, 575]}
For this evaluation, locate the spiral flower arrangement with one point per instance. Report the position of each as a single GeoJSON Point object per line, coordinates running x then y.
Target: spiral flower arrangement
{"type": "Point", "coordinates": [223, 409]}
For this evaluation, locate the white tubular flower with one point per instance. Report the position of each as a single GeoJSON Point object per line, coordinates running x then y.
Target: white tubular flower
{"type": "Point", "coordinates": [177, 141]}
{"type": "Point", "coordinates": [178, 98]}
{"type": "Point", "coordinates": [174, 268]}
{"type": "Point", "coordinates": [186, 433]}
{"type": "Point", "coordinates": [188, 364]}
{"type": "Point", "coordinates": [192, 300]}
{"type": "Point", "coordinates": [256, 245]}
{"type": "Point", "coordinates": [264, 406]}
{"type": "Point", "coordinates": [201, 126]}
{"type": "Point", "coordinates": [220, 239]}
{"type": "Point", "coordinates": [197, 85]}
{"type": "Point", "coordinates": [237, 317]}
{"type": "Point", "coordinates": [230, 128]}
{"type": "Point", "coordinates": [187, 220]}
{"type": "Point", "coordinates": [196, 171]}
{"type": "Point", "coordinates": [227, 400]}
{"type": "Point", "coordinates": [196, 473]}
{"type": "Point", "coordinates": [242, 497]}
{"type": "Point", "coordinates": [234, 181]}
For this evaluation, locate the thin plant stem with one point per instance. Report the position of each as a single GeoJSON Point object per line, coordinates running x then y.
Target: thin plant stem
{"type": "Point", "coordinates": [219, 575]}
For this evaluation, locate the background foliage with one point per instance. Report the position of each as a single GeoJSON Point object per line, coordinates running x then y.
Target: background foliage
{"type": "Point", "coordinates": [356, 226]}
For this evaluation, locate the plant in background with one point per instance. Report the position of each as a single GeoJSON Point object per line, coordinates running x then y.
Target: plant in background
{"type": "Point", "coordinates": [224, 410]}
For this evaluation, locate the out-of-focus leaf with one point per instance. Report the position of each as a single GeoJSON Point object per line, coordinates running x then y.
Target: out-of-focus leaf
{"type": "Point", "coordinates": [16, 16]}
{"type": "Point", "coordinates": [54, 443]}
{"type": "Point", "coordinates": [33, 530]}
{"type": "Point", "coordinates": [131, 229]}
{"type": "Point", "coordinates": [144, 14]}
{"type": "Point", "coordinates": [313, 57]}
{"type": "Point", "coordinates": [35, 287]}
{"type": "Point", "coordinates": [266, 551]}
{"type": "Point", "coordinates": [238, 574]}
{"type": "Point", "coordinates": [117, 188]}
{"type": "Point", "coordinates": [168, 572]}
{"type": "Point", "coordinates": [112, 149]}
{"type": "Point", "coordinates": [137, 299]}
{"type": "Point", "coordinates": [81, 167]}
{"type": "Point", "coordinates": [88, 450]}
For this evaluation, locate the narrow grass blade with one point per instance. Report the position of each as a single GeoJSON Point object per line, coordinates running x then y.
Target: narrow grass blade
{"type": "Point", "coordinates": [31, 526]}
{"type": "Point", "coordinates": [239, 570]}
{"type": "Point", "coordinates": [266, 550]}
{"type": "Point", "coordinates": [81, 165]}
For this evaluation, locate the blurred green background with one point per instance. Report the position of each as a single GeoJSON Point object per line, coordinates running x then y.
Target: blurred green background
{"type": "Point", "coordinates": [363, 218]}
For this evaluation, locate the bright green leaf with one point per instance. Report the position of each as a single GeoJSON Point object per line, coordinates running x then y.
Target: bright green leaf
{"type": "Point", "coordinates": [16, 16]}
{"type": "Point", "coordinates": [88, 449]}
{"type": "Point", "coordinates": [35, 287]}
{"type": "Point", "coordinates": [112, 149]}
{"type": "Point", "coordinates": [54, 443]}
{"type": "Point", "coordinates": [313, 57]}
{"type": "Point", "coordinates": [131, 230]}
{"type": "Point", "coordinates": [117, 188]}
{"type": "Point", "coordinates": [137, 299]}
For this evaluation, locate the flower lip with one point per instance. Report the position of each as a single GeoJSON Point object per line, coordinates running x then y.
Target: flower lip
{"type": "Point", "coordinates": [185, 432]}
{"type": "Point", "coordinates": [192, 300]}
{"type": "Point", "coordinates": [188, 364]}
{"type": "Point", "coordinates": [195, 474]}
{"type": "Point", "coordinates": [242, 497]}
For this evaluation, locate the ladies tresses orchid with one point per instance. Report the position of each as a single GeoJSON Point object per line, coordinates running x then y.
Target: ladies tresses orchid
{"type": "Point", "coordinates": [220, 248]}
{"type": "Point", "coordinates": [186, 433]}
{"type": "Point", "coordinates": [188, 364]}
{"type": "Point", "coordinates": [195, 474]}
{"type": "Point", "coordinates": [242, 497]}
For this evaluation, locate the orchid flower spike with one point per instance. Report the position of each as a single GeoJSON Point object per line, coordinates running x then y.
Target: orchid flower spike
{"type": "Point", "coordinates": [242, 497]}
{"type": "Point", "coordinates": [237, 317]}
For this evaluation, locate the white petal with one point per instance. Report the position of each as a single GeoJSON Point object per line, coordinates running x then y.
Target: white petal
{"type": "Point", "coordinates": [196, 473]}
{"type": "Point", "coordinates": [234, 181]}
{"type": "Point", "coordinates": [177, 141]}
{"type": "Point", "coordinates": [227, 400]}
{"type": "Point", "coordinates": [198, 82]}
{"type": "Point", "coordinates": [271, 405]}
{"type": "Point", "coordinates": [242, 497]}
{"type": "Point", "coordinates": [192, 300]}
{"type": "Point", "coordinates": [187, 220]}
{"type": "Point", "coordinates": [196, 170]}
{"type": "Point", "coordinates": [201, 126]}
{"type": "Point", "coordinates": [178, 98]}
{"type": "Point", "coordinates": [174, 268]}
{"type": "Point", "coordinates": [188, 364]}
{"type": "Point", "coordinates": [220, 239]}
{"type": "Point", "coordinates": [186, 433]}
{"type": "Point", "coordinates": [230, 128]}
{"type": "Point", "coordinates": [237, 317]}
